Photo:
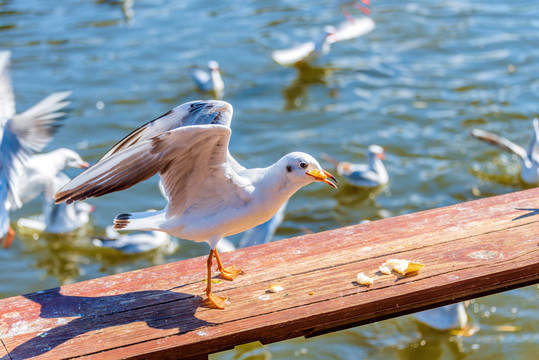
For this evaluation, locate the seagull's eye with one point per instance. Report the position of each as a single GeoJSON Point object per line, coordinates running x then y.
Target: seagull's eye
{"type": "Point", "coordinates": [303, 165]}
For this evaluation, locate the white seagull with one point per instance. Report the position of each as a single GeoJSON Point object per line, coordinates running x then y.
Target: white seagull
{"type": "Point", "coordinates": [40, 171]}
{"type": "Point", "coordinates": [209, 81]}
{"type": "Point", "coordinates": [372, 174]}
{"type": "Point", "coordinates": [312, 50]}
{"type": "Point", "coordinates": [529, 160]}
{"type": "Point", "coordinates": [58, 218]}
{"type": "Point", "coordinates": [210, 195]}
{"type": "Point", "coordinates": [133, 243]}
{"type": "Point", "coordinates": [20, 135]}
{"type": "Point", "coordinates": [444, 318]}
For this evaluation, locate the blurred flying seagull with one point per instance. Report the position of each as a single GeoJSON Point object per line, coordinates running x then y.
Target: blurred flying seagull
{"type": "Point", "coordinates": [529, 160]}
{"type": "Point", "coordinates": [372, 174]}
{"type": "Point", "coordinates": [312, 50]}
{"type": "Point", "coordinates": [210, 195]}
{"type": "Point", "coordinates": [20, 135]}
{"type": "Point", "coordinates": [210, 80]}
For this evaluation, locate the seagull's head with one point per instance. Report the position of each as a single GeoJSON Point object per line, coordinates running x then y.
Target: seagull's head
{"type": "Point", "coordinates": [72, 159]}
{"type": "Point", "coordinates": [377, 151]}
{"type": "Point", "coordinates": [329, 31]}
{"type": "Point", "coordinates": [84, 207]}
{"type": "Point", "coordinates": [303, 168]}
{"type": "Point", "coordinates": [213, 65]}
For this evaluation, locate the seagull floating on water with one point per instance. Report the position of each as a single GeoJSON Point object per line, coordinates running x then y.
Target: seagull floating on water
{"type": "Point", "coordinates": [210, 195]}
{"type": "Point", "coordinates": [529, 160]}
{"type": "Point", "coordinates": [209, 81]}
{"type": "Point", "coordinates": [58, 218]}
{"type": "Point", "coordinates": [133, 243]}
{"type": "Point", "coordinates": [312, 50]}
{"type": "Point", "coordinates": [449, 317]}
{"type": "Point", "coordinates": [20, 135]}
{"type": "Point", "coordinates": [372, 174]}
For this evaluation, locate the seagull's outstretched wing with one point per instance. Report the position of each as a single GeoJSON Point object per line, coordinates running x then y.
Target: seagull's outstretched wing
{"type": "Point", "coordinates": [23, 133]}
{"type": "Point", "coordinates": [500, 142]}
{"type": "Point", "coordinates": [352, 29]}
{"type": "Point", "coordinates": [291, 56]}
{"type": "Point", "coordinates": [192, 113]}
{"type": "Point", "coordinates": [7, 99]}
{"type": "Point", "coordinates": [192, 161]}
{"type": "Point", "coordinates": [36, 126]}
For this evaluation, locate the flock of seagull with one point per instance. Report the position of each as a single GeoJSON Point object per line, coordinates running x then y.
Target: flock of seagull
{"type": "Point", "coordinates": [210, 196]}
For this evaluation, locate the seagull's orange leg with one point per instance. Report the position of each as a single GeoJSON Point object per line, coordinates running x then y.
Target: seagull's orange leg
{"type": "Point", "coordinates": [230, 273]}
{"type": "Point", "coordinates": [9, 237]}
{"type": "Point", "coordinates": [215, 300]}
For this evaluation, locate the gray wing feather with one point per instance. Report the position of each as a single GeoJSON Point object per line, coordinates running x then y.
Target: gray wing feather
{"type": "Point", "coordinates": [500, 142]}
{"type": "Point", "coordinates": [13, 156]}
{"type": "Point", "coordinates": [7, 99]}
{"type": "Point", "coordinates": [201, 78]}
{"type": "Point", "coordinates": [181, 156]}
{"type": "Point", "coordinates": [191, 113]}
{"type": "Point", "coordinates": [36, 126]}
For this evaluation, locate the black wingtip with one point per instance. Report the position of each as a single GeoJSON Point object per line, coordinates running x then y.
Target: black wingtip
{"type": "Point", "coordinates": [124, 216]}
{"type": "Point", "coordinates": [121, 221]}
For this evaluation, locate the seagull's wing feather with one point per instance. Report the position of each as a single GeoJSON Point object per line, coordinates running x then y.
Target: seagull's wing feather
{"type": "Point", "coordinates": [200, 176]}
{"type": "Point", "coordinates": [500, 142]}
{"type": "Point", "coordinates": [7, 99]}
{"type": "Point", "coordinates": [36, 126]}
{"type": "Point", "coordinates": [351, 30]}
{"type": "Point", "coordinates": [12, 157]}
{"type": "Point", "coordinates": [191, 113]}
{"type": "Point", "coordinates": [185, 150]}
{"type": "Point", "coordinates": [293, 55]}
{"type": "Point", "coordinates": [201, 78]}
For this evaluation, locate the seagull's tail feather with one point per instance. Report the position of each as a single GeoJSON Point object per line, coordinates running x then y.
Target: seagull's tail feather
{"type": "Point", "coordinates": [149, 220]}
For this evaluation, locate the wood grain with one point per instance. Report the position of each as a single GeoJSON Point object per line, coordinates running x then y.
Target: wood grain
{"type": "Point", "coordinates": [469, 250]}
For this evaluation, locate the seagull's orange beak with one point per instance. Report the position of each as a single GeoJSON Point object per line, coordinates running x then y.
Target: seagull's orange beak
{"type": "Point", "coordinates": [381, 156]}
{"type": "Point", "coordinates": [84, 165]}
{"type": "Point", "coordinates": [322, 176]}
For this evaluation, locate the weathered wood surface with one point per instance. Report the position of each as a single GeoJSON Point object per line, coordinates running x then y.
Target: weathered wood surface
{"type": "Point", "coordinates": [469, 250]}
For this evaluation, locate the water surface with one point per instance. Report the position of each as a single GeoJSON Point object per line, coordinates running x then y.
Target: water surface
{"type": "Point", "coordinates": [429, 73]}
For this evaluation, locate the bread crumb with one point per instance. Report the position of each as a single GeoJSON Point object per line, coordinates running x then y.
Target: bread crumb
{"type": "Point", "coordinates": [364, 279]}
{"type": "Point", "coordinates": [275, 288]}
{"type": "Point", "coordinates": [385, 269]}
{"type": "Point", "coordinates": [403, 267]}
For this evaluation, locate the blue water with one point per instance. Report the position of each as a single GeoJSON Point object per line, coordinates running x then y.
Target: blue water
{"type": "Point", "coordinates": [429, 73]}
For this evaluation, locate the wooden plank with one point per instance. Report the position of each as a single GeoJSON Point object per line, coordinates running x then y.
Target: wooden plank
{"type": "Point", "coordinates": [3, 352]}
{"type": "Point", "coordinates": [470, 249]}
